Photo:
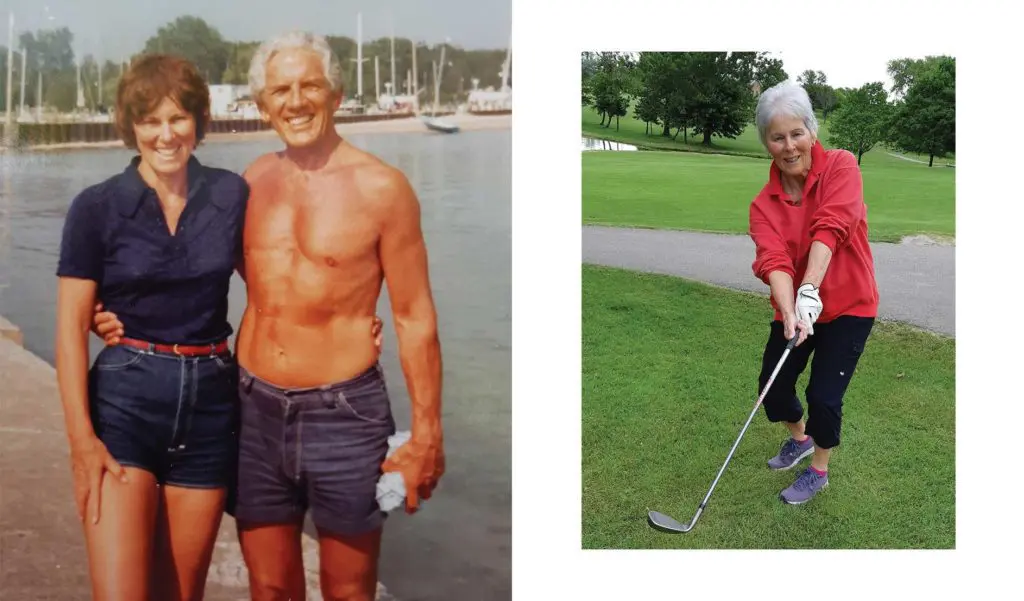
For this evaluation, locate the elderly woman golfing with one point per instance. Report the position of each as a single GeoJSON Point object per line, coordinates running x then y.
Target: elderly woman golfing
{"type": "Point", "coordinates": [809, 226]}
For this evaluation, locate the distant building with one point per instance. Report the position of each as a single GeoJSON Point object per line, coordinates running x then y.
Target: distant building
{"type": "Point", "coordinates": [231, 102]}
{"type": "Point", "coordinates": [396, 104]}
{"type": "Point", "coordinates": [490, 99]}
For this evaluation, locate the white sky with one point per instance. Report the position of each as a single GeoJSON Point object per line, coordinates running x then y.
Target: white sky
{"type": "Point", "coordinates": [115, 28]}
{"type": "Point", "coordinates": [846, 67]}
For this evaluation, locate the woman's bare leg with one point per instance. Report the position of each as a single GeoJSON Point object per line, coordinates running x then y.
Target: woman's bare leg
{"type": "Point", "coordinates": [187, 525]}
{"type": "Point", "coordinates": [120, 545]}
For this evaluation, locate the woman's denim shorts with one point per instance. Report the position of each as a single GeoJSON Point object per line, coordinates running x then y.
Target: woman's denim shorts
{"type": "Point", "coordinates": [176, 417]}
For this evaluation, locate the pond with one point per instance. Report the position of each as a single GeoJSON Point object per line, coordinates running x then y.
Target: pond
{"type": "Point", "coordinates": [596, 144]}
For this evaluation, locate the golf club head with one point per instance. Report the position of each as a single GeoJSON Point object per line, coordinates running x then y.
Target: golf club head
{"type": "Point", "coordinates": [664, 523]}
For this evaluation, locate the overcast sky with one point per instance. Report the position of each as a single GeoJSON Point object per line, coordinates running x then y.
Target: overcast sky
{"type": "Point", "coordinates": [114, 28]}
{"type": "Point", "coordinates": [845, 68]}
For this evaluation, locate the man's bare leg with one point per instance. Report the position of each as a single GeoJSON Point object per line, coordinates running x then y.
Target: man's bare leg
{"type": "Point", "coordinates": [273, 556]}
{"type": "Point", "coordinates": [187, 525]}
{"type": "Point", "coordinates": [348, 566]}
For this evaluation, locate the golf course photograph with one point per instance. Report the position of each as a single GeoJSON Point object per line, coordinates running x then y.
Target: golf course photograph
{"type": "Point", "coordinates": [768, 316]}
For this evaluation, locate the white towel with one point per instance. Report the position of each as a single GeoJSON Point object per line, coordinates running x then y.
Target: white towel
{"type": "Point", "coordinates": [391, 486]}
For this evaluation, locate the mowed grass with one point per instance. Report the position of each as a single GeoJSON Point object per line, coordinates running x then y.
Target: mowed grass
{"type": "Point", "coordinates": [670, 373]}
{"type": "Point", "coordinates": [631, 131]}
{"type": "Point", "coordinates": [690, 191]}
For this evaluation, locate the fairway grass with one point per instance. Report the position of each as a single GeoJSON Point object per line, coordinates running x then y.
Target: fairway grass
{"type": "Point", "coordinates": [712, 193]}
{"type": "Point", "coordinates": [710, 189]}
{"type": "Point", "coordinates": [670, 373]}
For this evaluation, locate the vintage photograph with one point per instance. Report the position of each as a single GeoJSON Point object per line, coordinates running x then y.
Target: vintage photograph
{"type": "Point", "coordinates": [255, 300]}
{"type": "Point", "coordinates": [768, 288]}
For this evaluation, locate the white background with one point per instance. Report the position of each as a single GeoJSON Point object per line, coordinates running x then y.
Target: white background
{"type": "Point", "coordinates": [547, 40]}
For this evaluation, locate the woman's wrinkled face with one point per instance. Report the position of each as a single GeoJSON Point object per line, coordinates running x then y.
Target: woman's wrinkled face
{"type": "Point", "coordinates": [166, 137]}
{"type": "Point", "coordinates": [789, 143]}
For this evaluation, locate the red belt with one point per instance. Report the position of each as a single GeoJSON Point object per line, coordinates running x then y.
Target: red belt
{"type": "Point", "coordinates": [179, 349]}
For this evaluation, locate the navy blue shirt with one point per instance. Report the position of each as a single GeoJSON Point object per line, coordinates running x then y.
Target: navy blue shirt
{"type": "Point", "coordinates": [164, 288]}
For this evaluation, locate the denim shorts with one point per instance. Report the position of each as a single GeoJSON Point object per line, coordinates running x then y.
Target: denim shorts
{"type": "Point", "coordinates": [318, 448]}
{"type": "Point", "coordinates": [175, 417]}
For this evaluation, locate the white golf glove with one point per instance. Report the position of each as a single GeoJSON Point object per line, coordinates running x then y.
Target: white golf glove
{"type": "Point", "coordinates": [808, 306]}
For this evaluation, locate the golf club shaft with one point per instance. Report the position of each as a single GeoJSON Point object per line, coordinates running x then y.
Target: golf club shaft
{"type": "Point", "coordinates": [760, 399]}
{"type": "Point", "coordinates": [665, 523]}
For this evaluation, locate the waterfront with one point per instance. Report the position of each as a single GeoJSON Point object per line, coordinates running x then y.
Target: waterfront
{"type": "Point", "coordinates": [459, 546]}
{"type": "Point", "coordinates": [599, 144]}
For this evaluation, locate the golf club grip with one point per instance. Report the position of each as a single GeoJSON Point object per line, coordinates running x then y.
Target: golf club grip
{"type": "Point", "coordinates": [792, 342]}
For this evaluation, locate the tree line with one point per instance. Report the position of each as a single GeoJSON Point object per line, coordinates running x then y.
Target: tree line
{"type": "Point", "coordinates": [50, 53]}
{"type": "Point", "coordinates": [710, 94]}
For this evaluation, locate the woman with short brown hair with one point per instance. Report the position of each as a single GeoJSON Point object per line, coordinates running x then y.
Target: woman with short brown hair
{"type": "Point", "coordinates": [152, 425]}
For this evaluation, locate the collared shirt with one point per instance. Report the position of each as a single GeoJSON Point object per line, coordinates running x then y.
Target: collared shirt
{"type": "Point", "coordinates": [164, 288]}
{"type": "Point", "coordinates": [831, 211]}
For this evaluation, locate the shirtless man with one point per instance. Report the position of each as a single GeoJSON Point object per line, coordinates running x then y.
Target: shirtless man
{"type": "Point", "coordinates": [326, 225]}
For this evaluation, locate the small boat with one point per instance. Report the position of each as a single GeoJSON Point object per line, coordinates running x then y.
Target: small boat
{"type": "Point", "coordinates": [432, 122]}
{"type": "Point", "coordinates": [440, 125]}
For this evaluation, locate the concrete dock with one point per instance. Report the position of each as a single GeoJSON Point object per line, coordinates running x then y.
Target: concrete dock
{"type": "Point", "coordinates": [42, 549]}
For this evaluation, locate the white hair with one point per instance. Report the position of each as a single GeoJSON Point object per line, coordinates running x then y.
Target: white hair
{"type": "Point", "coordinates": [292, 39]}
{"type": "Point", "coordinates": [788, 99]}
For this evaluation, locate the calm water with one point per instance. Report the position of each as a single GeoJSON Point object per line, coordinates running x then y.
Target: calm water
{"type": "Point", "coordinates": [459, 546]}
{"type": "Point", "coordinates": [596, 144]}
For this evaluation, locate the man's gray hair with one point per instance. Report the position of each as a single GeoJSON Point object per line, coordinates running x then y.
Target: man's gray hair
{"type": "Point", "coordinates": [788, 99]}
{"type": "Point", "coordinates": [292, 39]}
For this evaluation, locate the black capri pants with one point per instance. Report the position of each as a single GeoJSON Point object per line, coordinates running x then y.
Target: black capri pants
{"type": "Point", "coordinates": [837, 347]}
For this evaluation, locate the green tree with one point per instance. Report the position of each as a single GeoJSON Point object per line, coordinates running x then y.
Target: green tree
{"type": "Point", "coordinates": [647, 110]}
{"type": "Point", "coordinates": [52, 47]}
{"type": "Point", "coordinates": [49, 52]}
{"type": "Point", "coordinates": [588, 67]}
{"type": "Point", "coordinates": [859, 123]}
{"type": "Point", "coordinates": [239, 58]}
{"type": "Point", "coordinates": [663, 84]}
{"type": "Point", "coordinates": [811, 77]}
{"type": "Point", "coordinates": [768, 72]}
{"type": "Point", "coordinates": [612, 86]}
{"type": "Point", "coordinates": [193, 39]}
{"type": "Point", "coordinates": [925, 122]}
{"type": "Point", "coordinates": [904, 70]}
{"type": "Point", "coordinates": [823, 96]}
{"type": "Point", "coordinates": [719, 101]}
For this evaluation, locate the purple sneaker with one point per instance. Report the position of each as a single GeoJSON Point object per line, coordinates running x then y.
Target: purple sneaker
{"type": "Point", "coordinates": [791, 453]}
{"type": "Point", "coordinates": [805, 487]}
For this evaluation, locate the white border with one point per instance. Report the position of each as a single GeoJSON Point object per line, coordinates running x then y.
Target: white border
{"type": "Point", "coordinates": [547, 560]}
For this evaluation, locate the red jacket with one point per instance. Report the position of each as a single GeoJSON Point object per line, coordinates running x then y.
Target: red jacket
{"type": "Point", "coordinates": [833, 212]}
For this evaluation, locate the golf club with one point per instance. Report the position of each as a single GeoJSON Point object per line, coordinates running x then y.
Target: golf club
{"type": "Point", "coordinates": [664, 523]}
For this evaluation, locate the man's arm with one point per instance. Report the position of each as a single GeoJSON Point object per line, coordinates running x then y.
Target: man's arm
{"type": "Point", "coordinates": [403, 257]}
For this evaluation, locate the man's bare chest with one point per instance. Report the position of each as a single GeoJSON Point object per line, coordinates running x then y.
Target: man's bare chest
{"type": "Point", "coordinates": [329, 232]}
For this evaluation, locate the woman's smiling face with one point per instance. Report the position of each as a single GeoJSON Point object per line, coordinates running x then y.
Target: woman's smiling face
{"type": "Point", "coordinates": [790, 143]}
